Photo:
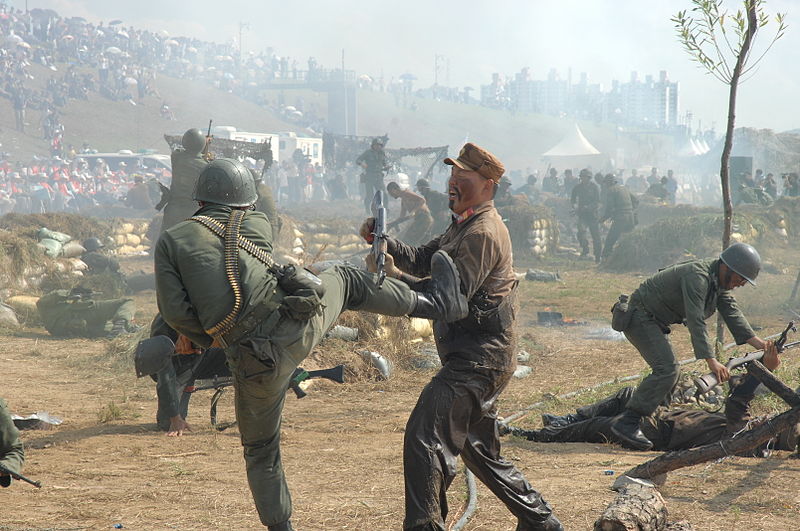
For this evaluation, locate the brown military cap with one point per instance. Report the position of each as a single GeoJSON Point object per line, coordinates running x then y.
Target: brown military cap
{"type": "Point", "coordinates": [477, 159]}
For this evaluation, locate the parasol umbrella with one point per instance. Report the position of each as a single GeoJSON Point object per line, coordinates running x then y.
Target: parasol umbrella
{"type": "Point", "coordinates": [172, 42]}
{"type": "Point", "coordinates": [289, 108]}
{"type": "Point", "coordinates": [131, 82]}
{"type": "Point", "coordinates": [113, 50]}
{"type": "Point", "coordinates": [23, 44]}
{"type": "Point", "coordinates": [123, 34]}
{"type": "Point", "coordinates": [365, 78]}
{"type": "Point", "coordinates": [115, 22]}
{"type": "Point", "coordinates": [13, 39]}
{"type": "Point", "coordinates": [191, 49]}
{"type": "Point", "coordinates": [228, 58]}
{"type": "Point", "coordinates": [67, 37]}
{"type": "Point", "coordinates": [211, 68]}
{"type": "Point", "coordinates": [164, 33]}
{"type": "Point", "coordinates": [296, 114]}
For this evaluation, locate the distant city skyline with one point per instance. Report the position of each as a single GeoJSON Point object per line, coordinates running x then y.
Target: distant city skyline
{"type": "Point", "coordinates": [469, 40]}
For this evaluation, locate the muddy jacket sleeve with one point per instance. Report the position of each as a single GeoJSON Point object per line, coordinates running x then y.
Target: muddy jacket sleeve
{"type": "Point", "coordinates": [11, 453]}
{"type": "Point", "coordinates": [173, 299]}
{"type": "Point", "coordinates": [728, 308]}
{"type": "Point", "coordinates": [413, 260]}
{"type": "Point", "coordinates": [694, 288]}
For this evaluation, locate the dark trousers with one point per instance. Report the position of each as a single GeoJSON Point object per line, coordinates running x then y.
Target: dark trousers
{"type": "Point", "coordinates": [373, 183]}
{"type": "Point", "coordinates": [587, 221]}
{"type": "Point", "coordinates": [596, 428]}
{"type": "Point", "coordinates": [455, 415]}
{"type": "Point", "coordinates": [618, 228]}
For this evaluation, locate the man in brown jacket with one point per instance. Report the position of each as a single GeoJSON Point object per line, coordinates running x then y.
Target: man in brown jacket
{"type": "Point", "coordinates": [456, 412]}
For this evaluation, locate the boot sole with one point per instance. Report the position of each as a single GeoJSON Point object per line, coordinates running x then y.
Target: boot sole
{"type": "Point", "coordinates": [462, 309]}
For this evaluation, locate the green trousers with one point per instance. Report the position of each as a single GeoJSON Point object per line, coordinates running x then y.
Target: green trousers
{"type": "Point", "coordinates": [261, 386]}
{"type": "Point", "coordinates": [653, 344]}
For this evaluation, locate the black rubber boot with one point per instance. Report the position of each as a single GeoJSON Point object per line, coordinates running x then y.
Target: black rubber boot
{"type": "Point", "coordinates": [557, 421]}
{"type": "Point", "coordinates": [285, 526]}
{"type": "Point", "coordinates": [551, 524]}
{"type": "Point", "coordinates": [442, 300]}
{"type": "Point", "coordinates": [626, 428]}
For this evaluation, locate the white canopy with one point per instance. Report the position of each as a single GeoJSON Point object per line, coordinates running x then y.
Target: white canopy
{"type": "Point", "coordinates": [574, 144]}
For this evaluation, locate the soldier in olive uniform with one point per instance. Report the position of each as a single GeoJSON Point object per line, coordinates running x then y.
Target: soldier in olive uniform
{"type": "Point", "coordinates": [375, 165]}
{"type": "Point", "coordinates": [456, 412]}
{"type": "Point", "coordinates": [187, 163]}
{"type": "Point", "coordinates": [217, 283]}
{"type": "Point", "coordinates": [73, 313]}
{"type": "Point", "coordinates": [585, 200]}
{"type": "Point", "coordinates": [620, 207]}
{"type": "Point", "coordinates": [667, 428]}
{"type": "Point", "coordinates": [97, 261]}
{"type": "Point", "coordinates": [689, 293]}
{"type": "Point", "coordinates": [12, 455]}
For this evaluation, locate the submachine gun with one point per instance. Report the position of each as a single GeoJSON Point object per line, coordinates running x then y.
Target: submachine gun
{"type": "Point", "coordinates": [709, 381]}
{"type": "Point", "coordinates": [379, 237]}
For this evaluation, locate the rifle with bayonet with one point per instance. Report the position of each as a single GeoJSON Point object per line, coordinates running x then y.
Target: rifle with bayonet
{"type": "Point", "coordinates": [207, 155]}
{"type": "Point", "coordinates": [709, 381]}
{"type": "Point", "coordinates": [19, 477]}
{"type": "Point", "coordinates": [379, 237]}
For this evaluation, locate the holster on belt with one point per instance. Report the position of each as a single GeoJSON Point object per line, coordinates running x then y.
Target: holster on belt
{"type": "Point", "coordinates": [264, 316]}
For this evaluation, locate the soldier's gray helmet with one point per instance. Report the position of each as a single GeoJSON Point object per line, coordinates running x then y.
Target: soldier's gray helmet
{"type": "Point", "coordinates": [92, 244]}
{"type": "Point", "coordinates": [423, 183]}
{"type": "Point", "coordinates": [152, 355]}
{"type": "Point", "coordinates": [193, 140]}
{"type": "Point", "coordinates": [742, 259]}
{"type": "Point", "coordinates": [226, 182]}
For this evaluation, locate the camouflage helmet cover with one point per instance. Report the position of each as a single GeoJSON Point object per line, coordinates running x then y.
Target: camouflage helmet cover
{"type": "Point", "coordinates": [226, 182]}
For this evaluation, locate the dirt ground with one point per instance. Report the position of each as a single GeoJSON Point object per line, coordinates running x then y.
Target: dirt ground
{"type": "Point", "coordinates": [107, 465]}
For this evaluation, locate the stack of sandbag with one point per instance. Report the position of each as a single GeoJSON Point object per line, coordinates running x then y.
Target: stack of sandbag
{"type": "Point", "coordinates": [542, 238]}
{"type": "Point", "coordinates": [130, 238]}
{"type": "Point", "coordinates": [332, 241]}
{"type": "Point", "coordinates": [52, 242]}
{"type": "Point", "coordinates": [25, 307]}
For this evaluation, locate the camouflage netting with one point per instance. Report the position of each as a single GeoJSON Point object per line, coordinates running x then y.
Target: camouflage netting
{"type": "Point", "coordinates": [670, 240]}
{"type": "Point", "coordinates": [224, 148]}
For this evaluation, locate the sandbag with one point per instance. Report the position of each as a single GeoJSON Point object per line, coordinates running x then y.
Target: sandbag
{"type": "Point", "coordinates": [51, 247]}
{"type": "Point", "coordinates": [72, 250]}
{"type": "Point", "coordinates": [45, 233]}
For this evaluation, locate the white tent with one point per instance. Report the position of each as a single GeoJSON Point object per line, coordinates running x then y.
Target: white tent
{"type": "Point", "coordinates": [574, 151]}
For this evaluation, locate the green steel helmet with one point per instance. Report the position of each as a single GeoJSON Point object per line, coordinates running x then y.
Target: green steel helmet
{"type": "Point", "coordinates": [193, 141]}
{"type": "Point", "coordinates": [226, 182]}
{"type": "Point", "coordinates": [742, 259]}
{"type": "Point", "coordinates": [92, 244]}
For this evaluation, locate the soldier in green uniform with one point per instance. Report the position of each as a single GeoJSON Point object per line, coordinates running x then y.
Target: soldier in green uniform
{"type": "Point", "coordinates": [456, 413]}
{"type": "Point", "coordinates": [73, 313]}
{"type": "Point", "coordinates": [12, 455]}
{"type": "Point", "coordinates": [619, 205]}
{"type": "Point", "coordinates": [187, 163]}
{"type": "Point", "coordinates": [217, 283]}
{"type": "Point", "coordinates": [97, 261]}
{"type": "Point", "coordinates": [585, 200]}
{"type": "Point", "coordinates": [375, 165]}
{"type": "Point", "coordinates": [689, 293]}
{"type": "Point", "coordinates": [668, 428]}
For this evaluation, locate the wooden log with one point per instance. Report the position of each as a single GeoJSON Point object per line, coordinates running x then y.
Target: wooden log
{"type": "Point", "coordinates": [762, 374]}
{"type": "Point", "coordinates": [731, 446]}
{"type": "Point", "coordinates": [636, 508]}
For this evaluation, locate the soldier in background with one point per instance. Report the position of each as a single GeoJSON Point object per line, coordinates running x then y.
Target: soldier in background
{"type": "Point", "coordinates": [138, 197]}
{"type": "Point", "coordinates": [187, 163]}
{"type": "Point", "coordinates": [585, 200]}
{"type": "Point", "coordinates": [620, 207]}
{"type": "Point", "coordinates": [375, 165]}
{"type": "Point", "coordinates": [437, 204]}
{"type": "Point", "coordinates": [529, 190]}
{"type": "Point", "coordinates": [412, 207]}
{"type": "Point", "coordinates": [74, 313]}
{"type": "Point", "coordinates": [97, 261]}
{"type": "Point", "coordinates": [12, 455]}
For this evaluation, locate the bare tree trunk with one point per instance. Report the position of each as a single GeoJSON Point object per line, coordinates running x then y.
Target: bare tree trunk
{"type": "Point", "coordinates": [724, 177]}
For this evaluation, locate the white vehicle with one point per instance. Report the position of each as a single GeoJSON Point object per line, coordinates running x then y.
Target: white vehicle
{"type": "Point", "coordinates": [310, 146]}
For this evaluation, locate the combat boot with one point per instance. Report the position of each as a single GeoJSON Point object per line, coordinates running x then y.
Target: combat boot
{"type": "Point", "coordinates": [557, 421]}
{"type": "Point", "coordinates": [551, 524]}
{"type": "Point", "coordinates": [285, 526]}
{"type": "Point", "coordinates": [442, 299]}
{"type": "Point", "coordinates": [626, 428]}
